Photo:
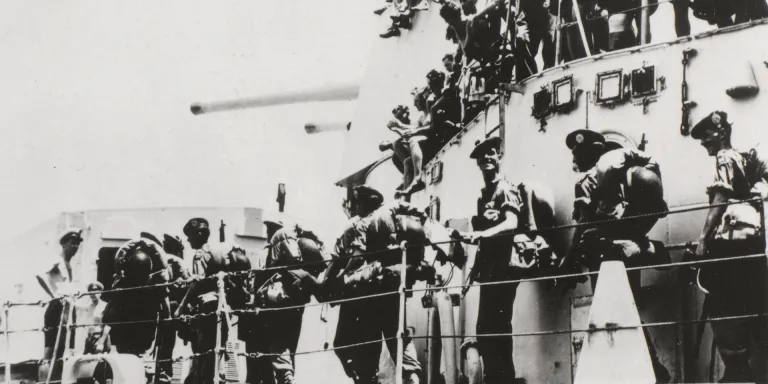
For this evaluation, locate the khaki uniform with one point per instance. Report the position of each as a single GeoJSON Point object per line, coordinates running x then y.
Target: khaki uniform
{"type": "Point", "coordinates": [492, 264]}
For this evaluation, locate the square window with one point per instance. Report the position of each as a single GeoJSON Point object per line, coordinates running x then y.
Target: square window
{"type": "Point", "coordinates": [643, 81]}
{"type": "Point", "coordinates": [564, 94]}
{"type": "Point", "coordinates": [542, 102]}
{"type": "Point", "coordinates": [609, 87]}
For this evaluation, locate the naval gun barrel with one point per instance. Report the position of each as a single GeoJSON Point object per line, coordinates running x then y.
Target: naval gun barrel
{"type": "Point", "coordinates": [325, 93]}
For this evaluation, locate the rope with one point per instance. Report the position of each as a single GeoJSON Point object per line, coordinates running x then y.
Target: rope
{"type": "Point", "coordinates": [572, 23]}
{"type": "Point", "coordinates": [182, 318]}
{"type": "Point", "coordinates": [309, 305]}
{"type": "Point", "coordinates": [183, 283]}
{"type": "Point", "coordinates": [258, 355]}
{"type": "Point", "coordinates": [682, 209]}
{"type": "Point", "coordinates": [103, 355]}
{"type": "Point", "coordinates": [600, 329]}
{"type": "Point", "coordinates": [567, 276]}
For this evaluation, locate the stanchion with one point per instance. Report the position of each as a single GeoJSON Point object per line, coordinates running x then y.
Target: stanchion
{"type": "Point", "coordinates": [401, 317]}
{"type": "Point", "coordinates": [69, 330]}
{"type": "Point", "coordinates": [219, 313]}
{"type": "Point", "coordinates": [52, 361]}
{"type": "Point", "coordinates": [6, 317]}
{"type": "Point", "coordinates": [618, 353]}
{"type": "Point", "coordinates": [229, 327]}
{"type": "Point", "coordinates": [576, 8]}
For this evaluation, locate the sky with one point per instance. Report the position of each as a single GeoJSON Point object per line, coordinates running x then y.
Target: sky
{"type": "Point", "coordinates": [95, 96]}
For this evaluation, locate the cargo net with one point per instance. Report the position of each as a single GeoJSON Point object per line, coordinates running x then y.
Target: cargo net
{"type": "Point", "coordinates": [224, 314]}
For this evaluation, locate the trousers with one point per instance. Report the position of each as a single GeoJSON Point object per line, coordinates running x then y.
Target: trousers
{"type": "Point", "coordinates": [495, 316]}
{"type": "Point", "coordinates": [367, 321]}
{"type": "Point", "coordinates": [736, 288]}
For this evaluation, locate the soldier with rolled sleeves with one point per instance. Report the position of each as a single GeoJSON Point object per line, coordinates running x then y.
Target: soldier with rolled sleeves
{"type": "Point", "coordinates": [56, 281]}
{"type": "Point", "coordinates": [735, 287]}
{"type": "Point", "coordinates": [498, 209]}
{"type": "Point", "coordinates": [617, 183]}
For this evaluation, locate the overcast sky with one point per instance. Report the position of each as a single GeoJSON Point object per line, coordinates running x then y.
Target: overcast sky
{"type": "Point", "coordinates": [95, 95]}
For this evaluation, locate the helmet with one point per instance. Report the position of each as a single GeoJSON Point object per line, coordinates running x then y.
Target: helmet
{"type": "Point", "coordinates": [312, 252]}
{"type": "Point", "coordinates": [137, 267]}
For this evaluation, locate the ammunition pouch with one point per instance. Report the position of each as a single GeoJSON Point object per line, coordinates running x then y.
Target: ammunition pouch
{"type": "Point", "coordinates": [633, 252]}
{"type": "Point", "coordinates": [535, 252]}
{"type": "Point", "coordinates": [289, 289]}
{"type": "Point", "coordinates": [740, 222]}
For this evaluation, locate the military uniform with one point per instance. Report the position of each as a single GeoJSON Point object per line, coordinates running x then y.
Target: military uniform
{"type": "Point", "coordinates": [282, 328]}
{"type": "Point", "coordinates": [604, 193]}
{"type": "Point", "coordinates": [737, 287]}
{"type": "Point", "coordinates": [358, 362]}
{"type": "Point", "coordinates": [204, 300]}
{"type": "Point", "coordinates": [136, 305]}
{"type": "Point", "coordinates": [492, 264]}
{"type": "Point", "coordinates": [378, 231]}
{"type": "Point", "coordinates": [167, 330]}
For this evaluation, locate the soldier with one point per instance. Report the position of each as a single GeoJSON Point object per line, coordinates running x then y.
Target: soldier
{"type": "Point", "coordinates": [412, 139]}
{"type": "Point", "coordinates": [348, 328]}
{"type": "Point", "coordinates": [97, 339]}
{"type": "Point", "coordinates": [498, 209]}
{"type": "Point", "coordinates": [382, 227]}
{"type": "Point", "coordinates": [174, 249]}
{"type": "Point", "coordinates": [285, 288]}
{"type": "Point", "coordinates": [735, 287]}
{"type": "Point", "coordinates": [138, 263]}
{"type": "Point", "coordinates": [202, 298]}
{"type": "Point", "coordinates": [57, 282]}
{"type": "Point", "coordinates": [617, 183]}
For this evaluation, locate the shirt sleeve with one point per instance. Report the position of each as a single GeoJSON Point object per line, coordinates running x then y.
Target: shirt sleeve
{"type": "Point", "coordinates": [509, 199]}
{"type": "Point", "coordinates": [200, 263]}
{"type": "Point", "coordinates": [728, 168]}
{"type": "Point", "coordinates": [583, 193]}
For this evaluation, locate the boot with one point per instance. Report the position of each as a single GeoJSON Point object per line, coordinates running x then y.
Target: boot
{"type": "Point", "coordinates": [391, 32]}
{"type": "Point", "coordinates": [381, 10]}
{"type": "Point", "coordinates": [412, 378]}
{"type": "Point", "coordinates": [423, 5]}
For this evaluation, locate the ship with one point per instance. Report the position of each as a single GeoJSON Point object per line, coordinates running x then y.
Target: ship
{"type": "Point", "coordinates": [646, 96]}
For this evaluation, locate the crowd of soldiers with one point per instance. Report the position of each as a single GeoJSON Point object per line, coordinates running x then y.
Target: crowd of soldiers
{"type": "Point", "coordinates": [490, 51]}
{"type": "Point", "coordinates": [366, 260]}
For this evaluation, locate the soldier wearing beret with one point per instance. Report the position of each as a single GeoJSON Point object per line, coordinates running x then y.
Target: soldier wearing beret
{"type": "Point", "coordinates": [735, 288]}
{"type": "Point", "coordinates": [498, 210]}
{"type": "Point", "coordinates": [616, 183]}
